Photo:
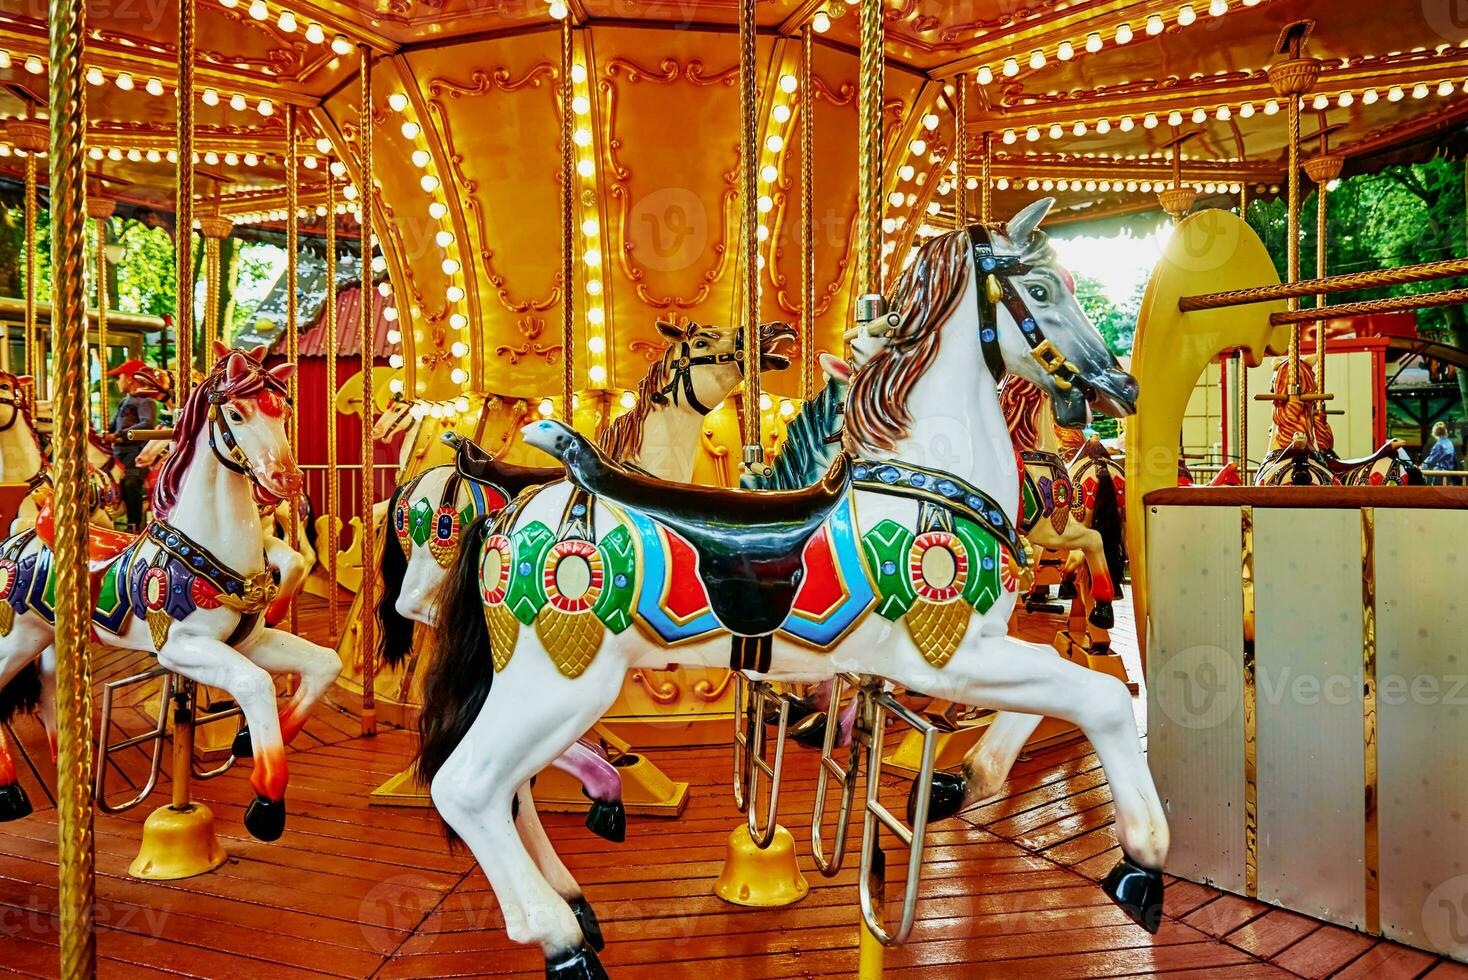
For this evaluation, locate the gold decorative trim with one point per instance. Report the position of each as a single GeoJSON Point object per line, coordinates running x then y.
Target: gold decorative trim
{"type": "Point", "coordinates": [709, 692]}
{"type": "Point", "coordinates": [1251, 708]}
{"type": "Point", "coordinates": [662, 692]}
{"type": "Point", "coordinates": [1372, 857]}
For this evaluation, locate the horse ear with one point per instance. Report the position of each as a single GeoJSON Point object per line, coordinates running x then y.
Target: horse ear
{"type": "Point", "coordinates": [282, 372]}
{"type": "Point", "coordinates": [1023, 225]}
{"type": "Point", "coordinates": [220, 349]}
{"type": "Point", "coordinates": [26, 379]}
{"type": "Point", "coordinates": [670, 330]}
{"type": "Point", "coordinates": [836, 369]}
{"type": "Point", "coordinates": [259, 352]}
{"type": "Point", "coordinates": [237, 367]}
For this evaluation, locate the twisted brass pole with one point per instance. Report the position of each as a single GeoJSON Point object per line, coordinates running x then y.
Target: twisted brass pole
{"type": "Point", "coordinates": [211, 290]}
{"type": "Point", "coordinates": [77, 878]}
{"type": "Point", "coordinates": [102, 298]}
{"type": "Point", "coordinates": [1242, 411]}
{"type": "Point", "coordinates": [333, 510]}
{"type": "Point", "coordinates": [367, 621]}
{"type": "Point", "coordinates": [1292, 245]}
{"type": "Point", "coordinates": [1321, 213]}
{"type": "Point", "coordinates": [986, 178]}
{"type": "Point", "coordinates": [807, 215]}
{"type": "Point", "coordinates": [960, 147]}
{"type": "Point", "coordinates": [748, 226]}
{"type": "Point", "coordinates": [870, 149]}
{"type": "Point", "coordinates": [292, 321]}
{"type": "Point", "coordinates": [32, 362]}
{"type": "Point", "coordinates": [184, 209]}
{"type": "Point", "coordinates": [568, 233]}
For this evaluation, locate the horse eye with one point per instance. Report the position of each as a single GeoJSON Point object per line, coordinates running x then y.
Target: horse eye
{"type": "Point", "coordinates": [1040, 293]}
{"type": "Point", "coordinates": [701, 343]}
{"type": "Point", "coordinates": [235, 416]}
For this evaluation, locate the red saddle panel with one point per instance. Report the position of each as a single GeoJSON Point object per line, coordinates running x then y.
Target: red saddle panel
{"type": "Point", "coordinates": [103, 543]}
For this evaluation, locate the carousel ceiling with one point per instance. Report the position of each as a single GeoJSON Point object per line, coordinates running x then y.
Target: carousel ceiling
{"type": "Point", "coordinates": [1081, 99]}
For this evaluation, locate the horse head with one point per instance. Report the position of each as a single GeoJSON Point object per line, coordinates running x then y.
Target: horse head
{"type": "Point", "coordinates": [704, 362]}
{"type": "Point", "coordinates": [15, 399]}
{"type": "Point", "coordinates": [1043, 334]}
{"type": "Point", "coordinates": [395, 418]}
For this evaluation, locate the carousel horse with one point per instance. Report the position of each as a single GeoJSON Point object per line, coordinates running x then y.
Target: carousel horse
{"type": "Point", "coordinates": [699, 368]}
{"type": "Point", "coordinates": [1302, 445]}
{"type": "Point", "coordinates": [193, 586]}
{"type": "Point", "coordinates": [22, 461]}
{"type": "Point", "coordinates": [555, 598]}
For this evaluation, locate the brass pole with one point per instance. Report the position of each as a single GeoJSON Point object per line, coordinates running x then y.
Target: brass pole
{"type": "Point", "coordinates": [292, 321]}
{"type": "Point", "coordinates": [1244, 201]}
{"type": "Point", "coordinates": [367, 622]}
{"type": "Point", "coordinates": [568, 233]}
{"type": "Point", "coordinates": [77, 877]}
{"type": "Point", "coordinates": [183, 743]}
{"type": "Point", "coordinates": [211, 290]}
{"type": "Point", "coordinates": [1292, 243]}
{"type": "Point", "coordinates": [749, 234]}
{"type": "Point", "coordinates": [1347, 283]}
{"type": "Point", "coordinates": [33, 364]}
{"type": "Point", "coordinates": [960, 148]}
{"type": "Point", "coordinates": [869, 150]}
{"type": "Point", "coordinates": [807, 214]}
{"type": "Point", "coordinates": [1320, 273]}
{"type": "Point", "coordinates": [1388, 304]}
{"type": "Point", "coordinates": [101, 320]}
{"type": "Point", "coordinates": [184, 209]}
{"type": "Point", "coordinates": [1241, 412]}
{"type": "Point", "coordinates": [986, 178]}
{"type": "Point", "coordinates": [333, 509]}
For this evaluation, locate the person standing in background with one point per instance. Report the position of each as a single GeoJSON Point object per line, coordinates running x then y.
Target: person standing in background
{"type": "Point", "coordinates": [134, 411]}
{"type": "Point", "coordinates": [1442, 454]}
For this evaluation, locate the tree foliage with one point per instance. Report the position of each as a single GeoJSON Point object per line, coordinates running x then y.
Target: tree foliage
{"type": "Point", "coordinates": [1117, 322]}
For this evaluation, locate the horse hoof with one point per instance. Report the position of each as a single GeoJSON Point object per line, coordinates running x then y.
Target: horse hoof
{"type": "Point", "coordinates": [607, 819]}
{"type": "Point", "coordinates": [1137, 891]}
{"type": "Point", "coordinates": [1066, 590]}
{"type": "Point", "coordinates": [242, 747]}
{"type": "Point", "coordinates": [1040, 593]}
{"type": "Point", "coordinates": [945, 801]}
{"type": "Point", "coordinates": [586, 918]}
{"type": "Point", "coordinates": [576, 964]}
{"type": "Point", "coordinates": [14, 804]}
{"type": "Point", "coordinates": [1102, 616]}
{"type": "Point", "coordinates": [265, 819]}
{"type": "Point", "coordinates": [811, 731]}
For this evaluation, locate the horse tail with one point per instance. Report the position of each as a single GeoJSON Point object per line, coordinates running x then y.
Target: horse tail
{"type": "Point", "coordinates": [22, 694]}
{"type": "Point", "coordinates": [396, 636]}
{"type": "Point", "coordinates": [460, 671]}
{"type": "Point", "coordinates": [1106, 520]}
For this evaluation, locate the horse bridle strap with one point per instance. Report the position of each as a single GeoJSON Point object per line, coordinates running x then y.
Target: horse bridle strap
{"type": "Point", "coordinates": [683, 373]}
{"type": "Point", "coordinates": [998, 287]}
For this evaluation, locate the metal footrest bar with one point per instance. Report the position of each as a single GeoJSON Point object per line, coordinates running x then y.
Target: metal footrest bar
{"type": "Point", "coordinates": [207, 718]}
{"type": "Point", "coordinates": [876, 703]}
{"type": "Point", "coordinates": [829, 769]}
{"type": "Point", "coordinates": [156, 734]}
{"type": "Point", "coordinates": [750, 700]}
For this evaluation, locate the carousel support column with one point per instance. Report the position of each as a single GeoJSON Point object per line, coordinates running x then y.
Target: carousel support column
{"type": "Point", "coordinates": [333, 509]}
{"type": "Point", "coordinates": [1322, 169]}
{"type": "Point", "coordinates": [77, 878]}
{"type": "Point", "coordinates": [986, 177]}
{"type": "Point", "coordinates": [1241, 415]}
{"type": "Point", "coordinates": [367, 628]}
{"type": "Point", "coordinates": [807, 215]}
{"type": "Point", "coordinates": [568, 231]}
{"type": "Point", "coordinates": [100, 209]}
{"type": "Point", "coordinates": [33, 137]}
{"type": "Point", "coordinates": [1292, 79]}
{"type": "Point", "coordinates": [184, 208]}
{"type": "Point", "coordinates": [960, 154]}
{"type": "Point", "coordinates": [749, 182]}
{"type": "Point", "coordinates": [293, 326]}
{"type": "Point", "coordinates": [215, 229]}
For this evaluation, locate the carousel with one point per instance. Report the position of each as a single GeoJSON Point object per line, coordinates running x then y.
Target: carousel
{"type": "Point", "coordinates": [607, 549]}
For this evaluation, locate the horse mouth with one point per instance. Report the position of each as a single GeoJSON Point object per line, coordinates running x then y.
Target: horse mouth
{"type": "Point", "coordinates": [773, 336]}
{"type": "Point", "coordinates": [1114, 393]}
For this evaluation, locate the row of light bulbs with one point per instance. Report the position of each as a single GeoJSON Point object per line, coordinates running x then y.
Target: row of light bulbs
{"type": "Point", "coordinates": [774, 147]}
{"type": "Point", "coordinates": [582, 139]}
{"type": "Point", "coordinates": [1094, 41]}
{"type": "Point", "coordinates": [280, 214]}
{"type": "Point", "coordinates": [628, 401]}
{"type": "Point", "coordinates": [288, 23]}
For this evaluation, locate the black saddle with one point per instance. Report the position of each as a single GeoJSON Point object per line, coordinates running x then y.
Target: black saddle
{"type": "Point", "coordinates": [749, 544]}
{"type": "Point", "coordinates": [474, 463]}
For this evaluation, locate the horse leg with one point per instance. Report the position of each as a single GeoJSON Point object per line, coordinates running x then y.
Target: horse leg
{"type": "Point", "coordinates": [531, 715]}
{"type": "Point", "coordinates": [533, 836]}
{"type": "Point", "coordinates": [1002, 672]}
{"type": "Point", "coordinates": [205, 660]}
{"type": "Point", "coordinates": [46, 710]}
{"type": "Point", "coordinates": [292, 568]}
{"type": "Point", "coordinates": [280, 652]}
{"type": "Point", "coordinates": [1078, 537]}
{"type": "Point", "coordinates": [28, 638]}
{"type": "Point", "coordinates": [585, 763]}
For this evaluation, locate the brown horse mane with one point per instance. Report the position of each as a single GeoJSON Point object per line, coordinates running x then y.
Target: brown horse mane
{"type": "Point", "coordinates": [1292, 418]}
{"type": "Point", "coordinates": [1021, 401]}
{"type": "Point", "coordinates": [622, 440]}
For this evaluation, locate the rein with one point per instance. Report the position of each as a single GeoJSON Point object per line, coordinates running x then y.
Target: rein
{"type": "Point", "coordinates": [998, 287]}
{"type": "Point", "coordinates": [682, 374]}
{"type": "Point", "coordinates": [233, 458]}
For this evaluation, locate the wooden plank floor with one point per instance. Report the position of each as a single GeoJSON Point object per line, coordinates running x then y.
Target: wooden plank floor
{"type": "Point", "coordinates": [358, 891]}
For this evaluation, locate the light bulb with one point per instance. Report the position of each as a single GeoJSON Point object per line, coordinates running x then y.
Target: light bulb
{"type": "Point", "coordinates": [420, 158]}
{"type": "Point", "coordinates": [590, 228]}
{"type": "Point", "coordinates": [768, 173]}
{"type": "Point", "coordinates": [1011, 67]}
{"type": "Point", "coordinates": [323, 145]}
{"type": "Point", "coordinates": [458, 321]}
{"type": "Point", "coordinates": [1224, 113]}
{"type": "Point", "coordinates": [1321, 101]}
{"type": "Point", "coordinates": [1174, 118]}
{"type": "Point", "coordinates": [775, 143]}
{"type": "Point", "coordinates": [1149, 121]}
{"type": "Point", "coordinates": [258, 10]}
{"type": "Point", "coordinates": [918, 147]}
{"type": "Point", "coordinates": [585, 168]}
{"type": "Point", "coordinates": [454, 294]}
{"type": "Point", "coordinates": [1032, 134]}
{"type": "Point", "coordinates": [930, 122]}
{"type": "Point", "coordinates": [592, 257]}
{"type": "Point", "coordinates": [593, 286]}
{"type": "Point", "coordinates": [397, 102]}
{"type": "Point", "coordinates": [558, 10]}
{"type": "Point", "coordinates": [1369, 97]}
{"type": "Point", "coordinates": [1345, 100]}
{"type": "Point", "coordinates": [1037, 59]}
{"type": "Point", "coordinates": [1271, 107]}
{"type": "Point", "coordinates": [450, 266]}
{"type": "Point", "coordinates": [1246, 110]}
{"type": "Point", "coordinates": [629, 398]}
{"type": "Point", "coordinates": [1123, 34]}
{"type": "Point", "coordinates": [1186, 15]}
{"type": "Point", "coordinates": [428, 182]}
{"type": "Point", "coordinates": [1155, 25]}
{"type": "Point", "coordinates": [984, 75]}
{"type": "Point", "coordinates": [210, 96]}
{"type": "Point", "coordinates": [596, 343]}
{"type": "Point", "coordinates": [286, 22]}
{"type": "Point", "coordinates": [597, 374]}
{"type": "Point", "coordinates": [154, 87]}
{"type": "Point", "coordinates": [237, 102]}
{"type": "Point", "coordinates": [1079, 129]}
{"type": "Point", "coordinates": [545, 408]}
{"type": "Point", "coordinates": [578, 73]}
{"type": "Point", "coordinates": [395, 360]}
{"type": "Point", "coordinates": [1009, 137]}
{"type": "Point", "coordinates": [1056, 131]}
{"type": "Point", "coordinates": [1103, 126]}
{"type": "Point", "coordinates": [1093, 42]}
{"type": "Point", "coordinates": [1065, 51]}
{"type": "Point", "coordinates": [765, 204]}
{"type": "Point", "coordinates": [124, 80]}
{"type": "Point", "coordinates": [393, 336]}
{"type": "Point", "coordinates": [821, 22]}
{"type": "Point", "coordinates": [410, 130]}
{"type": "Point", "coordinates": [1218, 8]}
{"type": "Point", "coordinates": [341, 45]}
{"type": "Point", "coordinates": [265, 107]}
{"type": "Point", "coordinates": [596, 316]}
{"type": "Point", "coordinates": [789, 83]}
{"type": "Point", "coordinates": [458, 376]}
{"type": "Point", "coordinates": [1200, 114]}
{"type": "Point", "coordinates": [95, 77]}
{"type": "Point", "coordinates": [315, 34]}
{"type": "Point", "coordinates": [781, 113]}
{"type": "Point", "coordinates": [395, 385]}
{"type": "Point", "coordinates": [437, 210]}
{"type": "Point", "coordinates": [459, 348]}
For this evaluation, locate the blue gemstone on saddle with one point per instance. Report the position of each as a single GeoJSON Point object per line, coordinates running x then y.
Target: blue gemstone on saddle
{"type": "Point", "coordinates": [987, 263]}
{"type": "Point", "coordinates": [889, 474]}
{"type": "Point", "coordinates": [949, 489]}
{"type": "Point", "coordinates": [198, 561]}
{"type": "Point", "coordinates": [988, 563]}
{"type": "Point", "coordinates": [619, 580]}
{"type": "Point", "coordinates": [172, 540]}
{"type": "Point", "coordinates": [987, 335]}
{"type": "Point", "coordinates": [889, 567]}
{"type": "Point", "coordinates": [524, 568]}
{"type": "Point", "coordinates": [860, 472]}
{"type": "Point", "coordinates": [996, 516]}
{"type": "Point", "coordinates": [578, 511]}
{"type": "Point", "coordinates": [975, 502]}
{"type": "Point", "coordinates": [918, 479]}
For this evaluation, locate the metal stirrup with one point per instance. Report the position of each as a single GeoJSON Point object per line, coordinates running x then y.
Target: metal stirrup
{"type": "Point", "coordinates": [156, 734]}
{"type": "Point", "coordinates": [876, 702]}
{"type": "Point", "coordinates": [750, 698]}
{"type": "Point", "coordinates": [830, 768]}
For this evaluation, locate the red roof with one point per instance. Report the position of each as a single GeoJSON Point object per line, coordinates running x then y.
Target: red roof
{"type": "Point", "coordinates": [348, 327]}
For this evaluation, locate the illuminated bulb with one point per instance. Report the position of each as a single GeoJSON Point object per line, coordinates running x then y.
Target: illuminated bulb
{"type": "Point", "coordinates": [905, 172]}
{"type": "Point", "coordinates": [934, 207]}
{"type": "Point", "coordinates": [420, 158]}
{"type": "Point", "coordinates": [596, 344]}
{"type": "Point", "coordinates": [1395, 94]}
{"type": "Point", "coordinates": [410, 130]}
{"type": "Point", "coordinates": [1369, 97]}
{"type": "Point", "coordinates": [211, 158]}
{"type": "Point", "coordinates": [286, 22]}
{"type": "Point", "coordinates": [1321, 101]}
{"type": "Point", "coordinates": [1127, 124]}
{"type": "Point", "coordinates": [985, 75]}
{"type": "Point", "coordinates": [437, 210]}
{"type": "Point", "coordinates": [1200, 114]}
{"type": "Point", "coordinates": [1011, 67]}
{"type": "Point", "coordinates": [315, 34]}
{"type": "Point", "coordinates": [918, 147]}
{"type": "Point", "coordinates": [1002, 183]}
{"type": "Point", "coordinates": [114, 154]}
{"type": "Point", "coordinates": [154, 156]}
{"type": "Point", "coordinates": [1155, 25]}
{"type": "Point", "coordinates": [889, 225]}
{"type": "Point", "coordinates": [428, 182]}
{"type": "Point", "coordinates": [1224, 113]}
{"type": "Point", "coordinates": [1150, 120]}
{"type": "Point", "coordinates": [341, 45]}
{"type": "Point", "coordinates": [395, 385]}
{"type": "Point", "coordinates": [545, 408]}
{"type": "Point", "coordinates": [896, 199]}
{"type": "Point", "coordinates": [1124, 34]}
{"type": "Point", "coordinates": [231, 159]}
{"type": "Point", "coordinates": [454, 294]}
{"type": "Point", "coordinates": [1186, 15]}
{"type": "Point", "coordinates": [458, 376]}
{"type": "Point", "coordinates": [171, 156]}
{"type": "Point", "coordinates": [397, 102]}
{"type": "Point", "coordinates": [821, 22]}
{"type": "Point", "coordinates": [444, 238]}
{"type": "Point", "coordinates": [1445, 88]}
{"type": "Point", "coordinates": [95, 77]}
{"type": "Point", "coordinates": [1065, 51]}
{"type": "Point", "coordinates": [459, 349]}
{"type": "Point", "coordinates": [578, 73]}
{"type": "Point", "coordinates": [592, 257]}
{"type": "Point", "coordinates": [265, 107]}
{"type": "Point", "coordinates": [596, 316]}
{"type": "Point", "coordinates": [1009, 137]}
{"type": "Point", "coordinates": [765, 204]}
{"type": "Point", "coordinates": [379, 262]}
{"type": "Point", "coordinates": [461, 403]}
{"type": "Point", "coordinates": [1037, 59]}
{"type": "Point", "coordinates": [1079, 129]}
{"type": "Point", "coordinates": [768, 173]}
{"type": "Point", "coordinates": [1062, 185]}
{"type": "Point", "coordinates": [393, 336]}
{"type": "Point", "coordinates": [930, 122]}
{"type": "Point", "coordinates": [395, 360]}
{"type": "Point", "coordinates": [765, 402]}
{"type": "Point", "coordinates": [1056, 131]}
{"type": "Point", "coordinates": [582, 137]}
{"type": "Point", "coordinates": [775, 143]}
{"type": "Point", "coordinates": [1093, 42]}
{"type": "Point", "coordinates": [629, 399]}
{"type": "Point", "coordinates": [593, 286]}
{"type": "Point", "coordinates": [237, 102]}
{"type": "Point", "coordinates": [458, 321]}
{"type": "Point", "coordinates": [258, 10]}
{"type": "Point", "coordinates": [585, 168]}
{"type": "Point", "coordinates": [1246, 110]}
{"type": "Point", "coordinates": [580, 105]}
{"type": "Point", "coordinates": [558, 10]}
{"type": "Point", "coordinates": [1047, 184]}
{"type": "Point", "coordinates": [789, 83]}
{"type": "Point", "coordinates": [153, 87]}
{"type": "Point", "coordinates": [450, 266]}
{"type": "Point", "coordinates": [597, 374]}
{"type": "Point", "coordinates": [323, 145]}
{"type": "Point", "coordinates": [1346, 99]}
{"type": "Point", "coordinates": [1217, 8]}
{"type": "Point", "coordinates": [781, 113]}
{"type": "Point", "coordinates": [1419, 91]}
{"type": "Point", "coordinates": [1271, 107]}
{"type": "Point", "coordinates": [135, 155]}
{"type": "Point", "coordinates": [1103, 126]}
{"type": "Point", "coordinates": [1174, 118]}
{"type": "Point", "coordinates": [124, 80]}
{"type": "Point", "coordinates": [1032, 134]}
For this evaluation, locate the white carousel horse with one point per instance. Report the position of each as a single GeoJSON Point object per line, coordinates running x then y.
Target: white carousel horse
{"type": "Point", "coordinates": [660, 434]}
{"type": "Point", "coordinates": [193, 586]}
{"type": "Point", "coordinates": [538, 622]}
{"type": "Point", "coordinates": [21, 459]}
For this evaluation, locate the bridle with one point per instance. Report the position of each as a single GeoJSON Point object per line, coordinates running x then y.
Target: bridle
{"type": "Point", "coordinates": [682, 373]}
{"type": "Point", "coordinates": [1000, 271]}
{"type": "Point", "coordinates": [17, 402]}
{"type": "Point", "coordinates": [233, 457]}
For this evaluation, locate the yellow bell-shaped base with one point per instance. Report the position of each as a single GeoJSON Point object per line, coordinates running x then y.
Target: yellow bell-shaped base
{"type": "Point", "coordinates": [177, 843]}
{"type": "Point", "coordinates": [763, 878]}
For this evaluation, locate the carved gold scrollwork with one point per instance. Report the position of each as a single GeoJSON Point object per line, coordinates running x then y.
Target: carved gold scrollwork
{"type": "Point", "coordinates": [708, 692]}
{"type": "Point", "coordinates": [531, 327]}
{"type": "Point", "coordinates": [666, 691]}
{"type": "Point", "coordinates": [843, 94]}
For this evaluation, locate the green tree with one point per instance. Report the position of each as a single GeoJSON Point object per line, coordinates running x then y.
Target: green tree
{"type": "Point", "coordinates": [1117, 323]}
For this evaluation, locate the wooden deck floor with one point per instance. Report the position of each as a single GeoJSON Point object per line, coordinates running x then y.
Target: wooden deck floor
{"type": "Point", "coordinates": [359, 891]}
